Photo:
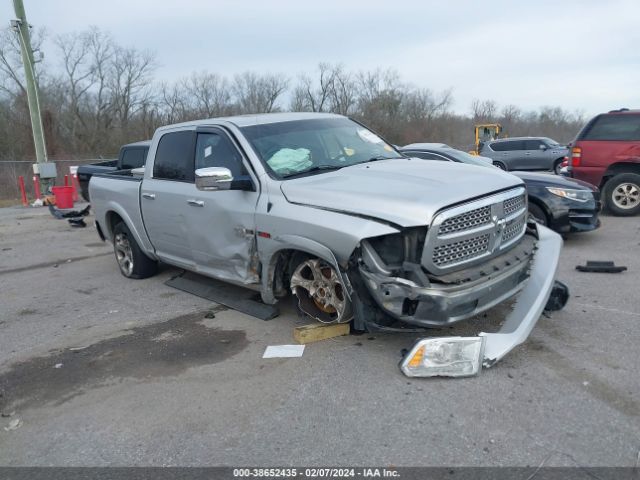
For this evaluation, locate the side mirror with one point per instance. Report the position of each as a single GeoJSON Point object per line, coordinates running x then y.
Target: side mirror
{"type": "Point", "coordinates": [543, 147]}
{"type": "Point", "coordinates": [213, 178]}
{"type": "Point", "coordinates": [137, 172]}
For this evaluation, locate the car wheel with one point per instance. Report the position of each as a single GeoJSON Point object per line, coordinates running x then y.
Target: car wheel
{"type": "Point", "coordinates": [557, 166]}
{"type": "Point", "coordinates": [132, 261]}
{"type": "Point", "coordinates": [538, 215]}
{"type": "Point", "coordinates": [501, 166]}
{"type": "Point", "coordinates": [319, 290]}
{"type": "Point", "coordinates": [622, 194]}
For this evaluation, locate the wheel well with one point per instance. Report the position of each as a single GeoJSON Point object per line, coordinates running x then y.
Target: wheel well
{"type": "Point", "coordinates": [541, 206]}
{"type": "Point", "coordinates": [112, 220]}
{"type": "Point", "coordinates": [282, 268]}
{"type": "Point", "coordinates": [618, 168]}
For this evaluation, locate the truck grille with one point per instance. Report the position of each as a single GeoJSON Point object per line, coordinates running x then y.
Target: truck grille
{"type": "Point", "coordinates": [459, 251]}
{"type": "Point", "coordinates": [466, 221]}
{"type": "Point", "coordinates": [469, 234]}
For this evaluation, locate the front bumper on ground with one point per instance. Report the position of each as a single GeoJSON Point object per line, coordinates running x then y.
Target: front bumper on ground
{"type": "Point", "coordinates": [529, 305]}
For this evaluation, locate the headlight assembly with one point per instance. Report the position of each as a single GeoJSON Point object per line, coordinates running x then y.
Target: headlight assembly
{"type": "Point", "coordinates": [571, 194]}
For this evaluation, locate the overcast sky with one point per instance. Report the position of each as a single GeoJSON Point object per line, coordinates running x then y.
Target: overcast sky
{"type": "Point", "coordinates": [581, 55]}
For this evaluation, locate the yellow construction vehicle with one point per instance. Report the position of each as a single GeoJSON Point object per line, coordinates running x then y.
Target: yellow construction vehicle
{"type": "Point", "coordinates": [485, 132]}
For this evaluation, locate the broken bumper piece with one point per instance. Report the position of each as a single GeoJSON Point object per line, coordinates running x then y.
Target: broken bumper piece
{"type": "Point", "coordinates": [465, 356]}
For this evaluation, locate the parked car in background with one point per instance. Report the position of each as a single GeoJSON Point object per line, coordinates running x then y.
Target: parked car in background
{"type": "Point", "coordinates": [132, 155]}
{"type": "Point", "coordinates": [606, 152]}
{"type": "Point", "coordinates": [318, 206]}
{"type": "Point", "coordinates": [563, 204]}
{"type": "Point", "coordinates": [525, 153]}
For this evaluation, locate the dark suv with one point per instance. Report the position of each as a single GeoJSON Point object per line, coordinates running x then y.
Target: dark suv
{"type": "Point", "coordinates": [606, 153]}
{"type": "Point", "coordinates": [525, 153]}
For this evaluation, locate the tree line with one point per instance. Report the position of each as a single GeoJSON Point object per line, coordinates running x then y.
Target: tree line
{"type": "Point", "coordinates": [97, 95]}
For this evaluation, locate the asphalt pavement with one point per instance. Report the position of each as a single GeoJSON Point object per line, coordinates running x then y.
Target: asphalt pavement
{"type": "Point", "coordinates": [96, 370]}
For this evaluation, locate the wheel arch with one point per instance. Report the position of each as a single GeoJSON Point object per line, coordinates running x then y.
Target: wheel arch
{"type": "Point", "coordinates": [275, 263]}
{"type": "Point", "coordinates": [115, 214]}
{"type": "Point", "coordinates": [617, 169]}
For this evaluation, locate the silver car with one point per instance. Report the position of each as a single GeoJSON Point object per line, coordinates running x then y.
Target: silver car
{"type": "Point", "coordinates": [525, 153]}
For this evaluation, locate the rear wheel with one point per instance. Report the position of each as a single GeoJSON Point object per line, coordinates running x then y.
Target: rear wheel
{"type": "Point", "coordinates": [500, 165]}
{"type": "Point", "coordinates": [538, 215]}
{"type": "Point", "coordinates": [320, 292]}
{"type": "Point", "coordinates": [622, 194]}
{"type": "Point", "coordinates": [132, 261]}
{"type": "Point", "coordinates": [557, 166]}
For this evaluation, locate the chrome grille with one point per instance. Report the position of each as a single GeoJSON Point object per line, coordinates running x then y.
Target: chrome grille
{"type": "Point", "coordinates": [512, 205]}
{"type": "Point", "coordinates": [474, 232]}
{"type": "Point", "coordinates": [513, 228]}
{"type": "Point", "coordinates": [459, 251]}
{"type": "Point", "coordinates": [466, 221]}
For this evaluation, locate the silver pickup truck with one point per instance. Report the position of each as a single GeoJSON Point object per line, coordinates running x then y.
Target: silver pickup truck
{"type": "Point", "coordinates": [319, 206]}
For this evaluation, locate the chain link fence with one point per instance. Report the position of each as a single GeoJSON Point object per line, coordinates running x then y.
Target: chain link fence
{"type": "Point", "coordinates": [10, 171]}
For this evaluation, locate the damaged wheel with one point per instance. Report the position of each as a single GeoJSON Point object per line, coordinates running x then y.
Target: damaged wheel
{"type": "Point", "coordinates": [132, 261]}
{"type": "Point", "coordinates": [320, 292]}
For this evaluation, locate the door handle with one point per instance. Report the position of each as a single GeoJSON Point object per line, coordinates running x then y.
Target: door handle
{"type": "Point", "coordinates": [196, 203]}
{"type": "Point", "coordinates": [527, 153]}
{"type": "Point", "coordinates": [150, 196]}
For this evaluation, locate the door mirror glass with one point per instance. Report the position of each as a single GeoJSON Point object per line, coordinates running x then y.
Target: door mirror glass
{"type": "Point", "coordinates": [213, 178]}
{"type": "Point", "coordinates": [543, 147]}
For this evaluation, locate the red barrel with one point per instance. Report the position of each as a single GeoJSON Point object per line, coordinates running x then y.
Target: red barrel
{"type": "Point", "coordinates": [64, 196]}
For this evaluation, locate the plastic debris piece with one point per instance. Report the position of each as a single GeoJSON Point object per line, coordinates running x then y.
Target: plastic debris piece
{"type": "Point", "coordinates": [57, 365]}
{"type": "Point", "coordinates": [14, 424]}
{"type": "Point", "coordinates": [283, 351]}
{"type": "Point", "coordinates": [600, 267]}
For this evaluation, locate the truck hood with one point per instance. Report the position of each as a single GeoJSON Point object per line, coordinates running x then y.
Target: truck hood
{"type": "Point", "coordinates": [406, 192]}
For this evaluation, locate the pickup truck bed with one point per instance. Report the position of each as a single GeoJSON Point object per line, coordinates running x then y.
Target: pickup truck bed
{"type": "Point", "coordinates": [132, 155]}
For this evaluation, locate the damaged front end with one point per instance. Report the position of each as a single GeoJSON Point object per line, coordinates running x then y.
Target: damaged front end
{"type": "Point", "coordinates": [471, 258]}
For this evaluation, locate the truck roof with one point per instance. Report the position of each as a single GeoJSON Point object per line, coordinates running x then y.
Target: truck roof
{"type": "Point", "coordinates": [143, 143]}
{"type": "Point", "coordinates": [256, 119]}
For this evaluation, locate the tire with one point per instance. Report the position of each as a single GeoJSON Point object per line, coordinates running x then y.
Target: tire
{"type": "Point", "coordinates": [557, 166]}
{"type": "Point", "coordinates": [538, 214]}
{"type": "Point", "coordinates": [622, 194]}
{"type": "Point", "coordinates": [132, 261]}
{"type": "Point", "coordinates": [501, 166]}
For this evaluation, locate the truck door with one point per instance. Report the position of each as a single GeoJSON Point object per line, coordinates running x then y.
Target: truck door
{"type": "Point", "coordinates": [164, 198]}
{"type": "Point", "coordinates": [221, 224]}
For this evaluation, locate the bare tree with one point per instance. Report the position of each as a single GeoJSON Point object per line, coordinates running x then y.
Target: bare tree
{"type": "Point", "coordinates": [258, 93]}
{"type": "Point", "coordinates": [130, 80]}
{"type": "Point", "coordinates": [209, 94]}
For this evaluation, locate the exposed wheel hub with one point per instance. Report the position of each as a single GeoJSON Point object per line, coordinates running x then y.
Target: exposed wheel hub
{"type": "Point", "coordinates": [320, 292]}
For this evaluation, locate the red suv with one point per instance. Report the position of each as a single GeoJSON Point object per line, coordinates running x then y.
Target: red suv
{"type": "Point", "coordinates": [606, 153]}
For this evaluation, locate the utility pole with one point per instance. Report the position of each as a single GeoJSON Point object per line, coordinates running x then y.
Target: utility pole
{"type": "Point", "coordinates": [45, 170]}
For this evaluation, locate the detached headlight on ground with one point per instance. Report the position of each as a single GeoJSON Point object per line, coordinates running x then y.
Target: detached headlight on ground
{"type": "Point", "coordinates": [577, 195]}
{"type": "Point", "coordinates": [445, 357]}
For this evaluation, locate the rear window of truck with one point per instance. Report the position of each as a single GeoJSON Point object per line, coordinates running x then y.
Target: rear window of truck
{"type": "Point", "coordinates": [614, 127]}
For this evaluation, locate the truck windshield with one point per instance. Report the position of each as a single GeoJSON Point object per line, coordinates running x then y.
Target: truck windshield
{"type": "Point", "coordinates": [305, 147]}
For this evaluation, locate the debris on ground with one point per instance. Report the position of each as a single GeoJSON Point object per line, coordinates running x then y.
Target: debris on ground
{"type": "Point", "coordinates": [600, 267]}
{"type": "Point", "coordinates": [283, 351]}
{"type": "Point", "coordinates": [58, 365]}
{"type": "Point", "coordinates": [77, 222]}
{"type": "Point", "coordinates": [14, 424]}
{"type": "Point", "coordinates": [7, 414]}
{"type": "Point", "coordinates": [74, 217]}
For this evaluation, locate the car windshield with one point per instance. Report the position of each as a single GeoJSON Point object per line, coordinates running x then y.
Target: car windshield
{"type": "Point", "coordinates": [301, 147]}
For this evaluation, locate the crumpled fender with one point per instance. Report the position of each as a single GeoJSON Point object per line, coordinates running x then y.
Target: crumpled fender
{"type": "Point", "coordinates": [303, 244]}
